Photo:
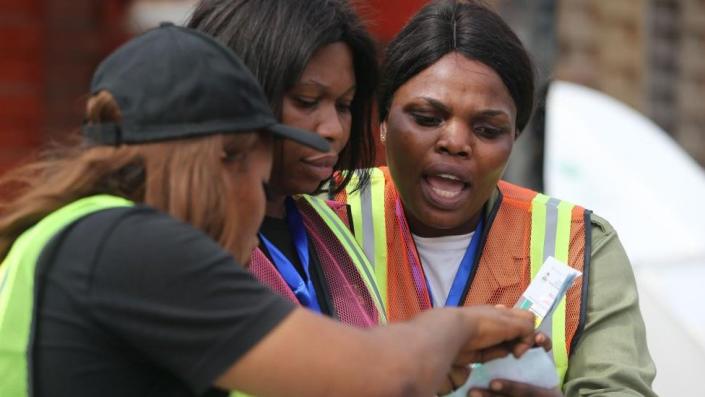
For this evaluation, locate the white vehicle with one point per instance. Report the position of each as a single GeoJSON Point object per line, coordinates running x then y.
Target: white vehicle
{"type": "Point", "coordinates": [607, 157]}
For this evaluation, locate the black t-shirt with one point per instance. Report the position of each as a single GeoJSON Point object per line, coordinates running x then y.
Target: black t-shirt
{"type": "Point", "coordinates": [131, 302]}
{"type": "Point", "coordinates": [277, 232]}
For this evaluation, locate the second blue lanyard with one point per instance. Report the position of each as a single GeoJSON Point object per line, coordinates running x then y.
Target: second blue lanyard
{"type": "Point", "coordinates": [302, 288]}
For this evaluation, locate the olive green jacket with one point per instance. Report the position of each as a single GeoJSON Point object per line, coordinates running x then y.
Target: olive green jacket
{"type": "Point", "coordinates": [611, 357]}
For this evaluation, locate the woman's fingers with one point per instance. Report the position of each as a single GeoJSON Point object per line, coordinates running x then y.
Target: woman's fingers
{"type": "Point", "coordinates": [496, 332]}
{"type": "Point", "coordinates": [493, 326]}
{"type": "Point", "coordinates": [506, 388]}
{"type": "Point", "coordinates": [541, 340]}
{"type": "Point", "coordinates": [457, 377]}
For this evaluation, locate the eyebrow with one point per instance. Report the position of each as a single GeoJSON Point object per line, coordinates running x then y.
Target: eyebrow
{"type": "Point", "coordinates": [438, 105]}
{"type": "Point", "coordinates": [444, 108]}
{"type": "Point", "coordinates": [311, 82]}
{"type": "Point", "coordinates": [492, 113]}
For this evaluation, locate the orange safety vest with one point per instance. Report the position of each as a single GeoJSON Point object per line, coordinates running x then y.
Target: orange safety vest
{"type": "Point", "coordinates": [352, 296]}
{"type": "Point", "coordinates": [523, 228]}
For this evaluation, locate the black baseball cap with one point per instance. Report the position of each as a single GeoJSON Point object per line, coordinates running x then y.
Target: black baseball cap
{"type": "Point", "coordinates": [173, 82]}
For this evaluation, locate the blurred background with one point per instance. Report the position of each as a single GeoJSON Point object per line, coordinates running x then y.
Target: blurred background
{"type": "Point", "coordinates": [649, 54]}
{"type": "Point", "coordinates": [622, 130]}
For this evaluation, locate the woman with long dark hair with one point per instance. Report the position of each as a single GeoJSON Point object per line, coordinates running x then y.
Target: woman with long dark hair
{"type": "Point", "coordinates": [318, 67]}
{"type": "Point", "coordinates": [457, 89]}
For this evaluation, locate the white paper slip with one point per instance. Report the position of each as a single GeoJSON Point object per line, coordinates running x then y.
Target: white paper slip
{"type": "Point", "coordinates": [534, 367]}
{"type": "Point", "coordinates": [547, 288]}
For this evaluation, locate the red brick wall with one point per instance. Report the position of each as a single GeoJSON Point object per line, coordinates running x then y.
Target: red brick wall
{"type": "Point", "coordinates": [79, 33]}
{"type": "Point", "coordinates": [21, 88]}
{"type": "Point", "coordinates": [48, 50]}
{"type": "Point", "coordinates": [388, 16]}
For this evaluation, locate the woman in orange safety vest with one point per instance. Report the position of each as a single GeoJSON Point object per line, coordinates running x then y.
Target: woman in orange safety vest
{"type": "Point", "coordinates": [441, 229]}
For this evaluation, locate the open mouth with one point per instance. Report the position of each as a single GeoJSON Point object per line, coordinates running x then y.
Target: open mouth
{"type": "Point", "coordinates": [445, 191]}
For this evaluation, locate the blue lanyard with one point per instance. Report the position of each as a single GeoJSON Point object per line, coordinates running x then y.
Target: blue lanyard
{"type": "Point", "coordinates": [462, 276]}
{"type": "Point", "coordinates": [303, 289]}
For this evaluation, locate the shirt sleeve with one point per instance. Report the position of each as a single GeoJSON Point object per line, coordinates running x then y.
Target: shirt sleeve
{"type": "Point", "coordinates": [611, 357]}
{"type": "Point", "coordinates": [174, 295]}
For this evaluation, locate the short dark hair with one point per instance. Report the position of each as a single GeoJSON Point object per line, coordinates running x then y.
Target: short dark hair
{"type": "Point", "coordinates": [473, 30]}
{"type": "Point", "coordinates": [277, 38]}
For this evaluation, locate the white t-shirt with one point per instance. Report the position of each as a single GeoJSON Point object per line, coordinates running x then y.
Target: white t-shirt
{"type": "Point", "coordinates": [440, 258]}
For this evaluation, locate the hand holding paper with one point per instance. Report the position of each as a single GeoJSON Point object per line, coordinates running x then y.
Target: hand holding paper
{"type": "Point", "coordinates": [535, 368]}
{"type": "Point", "coordinates": [495, 333]}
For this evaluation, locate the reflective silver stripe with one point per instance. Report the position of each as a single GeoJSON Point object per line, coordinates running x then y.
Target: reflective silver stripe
{"type": "Point", "coordinates": [368, 230]}
{"type": "Point", "coordinates": [349, 242]}
{"type": "Point", "coordinates": [549, 249]}
{"type": "Point", "coordinates": [549, 241]}
{"type": "Point", "coordinates": [5, 272]}
{"type": "Point", "coordinates": [547, 326]}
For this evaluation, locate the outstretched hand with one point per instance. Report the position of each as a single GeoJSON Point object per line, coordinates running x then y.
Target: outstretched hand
{"type": "Point", "coordinates": [497, 332]}
{"type": "Point", "coordinates": [493, 332]}
{"type": "Point", "coordinates": [507, 388]}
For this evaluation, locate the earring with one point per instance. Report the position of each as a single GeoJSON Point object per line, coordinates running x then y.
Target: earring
{"type": "Point", "coordinates": [383, 132]}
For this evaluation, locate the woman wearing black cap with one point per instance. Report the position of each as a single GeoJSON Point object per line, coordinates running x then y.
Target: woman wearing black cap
{"type": "Point", "coordinates": [318, 67]}
{"type": "Point", "coordinates": [117, 276]}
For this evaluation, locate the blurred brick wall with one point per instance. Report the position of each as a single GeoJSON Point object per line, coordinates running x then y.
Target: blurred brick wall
{"type": "Point", "coordinates": [649, 54]}
{"type": "Point", "coordinates": [386, 17]}
{"type": "Point", "coordinates": [602, 45]}
{"type": "Point", "coordinates": [79, 33]}
{"type": "Point", "coordinates": [21, 88]}
{"type": "Point", "coordinates": [690, 131]}
{"type": "Point", "coordinates": [48, 50]}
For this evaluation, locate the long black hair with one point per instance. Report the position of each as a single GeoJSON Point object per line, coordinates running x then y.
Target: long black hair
{"type": "Point", "coordinates": [277, 38]}
{"type": "Point", "coordinates": [469, 28]}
